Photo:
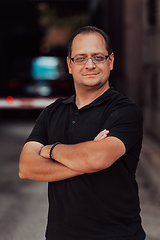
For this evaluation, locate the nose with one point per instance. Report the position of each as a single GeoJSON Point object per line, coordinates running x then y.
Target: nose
{"type": "Point", "coordinates": [90, 64]}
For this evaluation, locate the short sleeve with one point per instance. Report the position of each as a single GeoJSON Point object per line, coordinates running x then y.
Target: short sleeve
{"type": "Point", "coordinates": [39, 133]}
{"type": "Point", "coordinates": [126, 124]}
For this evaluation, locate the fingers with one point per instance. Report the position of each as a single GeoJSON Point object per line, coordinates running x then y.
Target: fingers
{"type": "Point", "coordinates": [44, 152]}
{"type": "Point", "coordinates": [101, 135]}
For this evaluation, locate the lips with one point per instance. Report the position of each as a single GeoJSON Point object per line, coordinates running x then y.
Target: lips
{"type": "Point", "coordinates": [91, 74]}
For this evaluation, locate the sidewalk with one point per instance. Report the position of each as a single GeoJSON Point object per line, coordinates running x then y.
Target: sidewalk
{"type": "Point", "coordinates": [150, 161]}
{"type": "Point", "coordinates": [24, 203]}
{"type": "Point", "coordinates": [148, 177]}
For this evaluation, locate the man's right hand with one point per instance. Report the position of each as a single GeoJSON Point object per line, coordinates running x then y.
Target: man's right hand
{"type": "Point", "coordinates": [102, 135]}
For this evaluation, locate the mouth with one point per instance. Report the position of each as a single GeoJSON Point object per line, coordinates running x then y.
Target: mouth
{"type": "Point", "coordinates": [90, 74]}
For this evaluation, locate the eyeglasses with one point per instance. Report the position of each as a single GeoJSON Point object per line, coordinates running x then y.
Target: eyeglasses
{"type": "Point", "coordinates": [95, 59]}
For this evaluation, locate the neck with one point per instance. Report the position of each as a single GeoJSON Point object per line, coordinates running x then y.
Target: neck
{"type": "Point", "coordinates": [86, 97]}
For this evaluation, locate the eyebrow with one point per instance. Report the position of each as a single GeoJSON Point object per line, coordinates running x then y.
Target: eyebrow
{"type": "Point", "coordinates": [84, 54]}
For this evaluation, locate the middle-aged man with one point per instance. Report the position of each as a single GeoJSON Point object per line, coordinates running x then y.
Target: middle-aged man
{"type": "Point", "coordinates": [87, 147]}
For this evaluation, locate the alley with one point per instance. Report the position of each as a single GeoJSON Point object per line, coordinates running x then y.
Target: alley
{"type": "Point", "coordinates": [23, 203]}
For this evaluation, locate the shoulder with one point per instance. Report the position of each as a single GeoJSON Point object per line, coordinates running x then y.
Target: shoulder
{"type": "Point", "coordinates": [48, 110]}
{"type": "Point", "coordinates": [54, 104]}
{"type": "Point", "coordinates": [122, 114]}
{"type": "Point", "coordinates": [56, 107]}
{"type": "Point", "coordinates": [123, 104]}
{"type": "Point", "coordinates": [58, 103]}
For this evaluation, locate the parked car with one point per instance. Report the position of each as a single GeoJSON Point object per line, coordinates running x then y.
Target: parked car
{"type": "Point", "coordinates": [36, 82]}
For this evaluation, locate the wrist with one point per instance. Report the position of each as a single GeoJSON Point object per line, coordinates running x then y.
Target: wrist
{"type": "Point", "coordinates": [51, 151]}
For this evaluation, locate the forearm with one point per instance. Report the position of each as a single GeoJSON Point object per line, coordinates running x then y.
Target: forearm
{"type": "Point", "coordinates": [35, 167]}
{"type": "Point", "coordinates": [87, 157]}
{"type": "Point", "coordinates": [81, 157]}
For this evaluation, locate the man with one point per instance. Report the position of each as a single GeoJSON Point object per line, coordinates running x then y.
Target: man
{"type": "Point", "coordinates": [87, 147]}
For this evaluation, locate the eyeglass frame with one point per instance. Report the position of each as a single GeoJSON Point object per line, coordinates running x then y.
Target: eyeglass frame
{"type": "Point", "coordinates": [87, 58]}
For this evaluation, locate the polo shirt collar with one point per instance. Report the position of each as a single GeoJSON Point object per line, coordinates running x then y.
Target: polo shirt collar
{"type": "Point", "coordinates": [70, 99]}
{"type": "Point", "coordinates": [106, 96]}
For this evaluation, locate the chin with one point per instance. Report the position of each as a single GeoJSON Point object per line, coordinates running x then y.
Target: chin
{"type": "Point", "coordinates": [92, 83]}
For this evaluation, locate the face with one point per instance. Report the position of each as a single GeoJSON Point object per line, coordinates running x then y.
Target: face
{"type": "Point", "coordinates": [90, 75]}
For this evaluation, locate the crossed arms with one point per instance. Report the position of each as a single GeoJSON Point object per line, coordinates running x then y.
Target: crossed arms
{"type": "Point", "coordinates": [71, 160]}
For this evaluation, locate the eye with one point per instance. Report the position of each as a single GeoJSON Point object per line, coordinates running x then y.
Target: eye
{"type": "Point", "coordinates": [99, 58]}
{"type": "Point", "coordinates": [79, 59]}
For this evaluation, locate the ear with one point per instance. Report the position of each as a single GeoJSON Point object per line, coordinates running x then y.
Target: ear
{"type": "Point", "coordinates": [69, 65]}
{"type": "Point", "coordinates": [111, 61]}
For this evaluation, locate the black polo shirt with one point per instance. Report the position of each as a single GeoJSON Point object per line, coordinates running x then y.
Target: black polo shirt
{"type": "Point", "coordinates": [101, 205]}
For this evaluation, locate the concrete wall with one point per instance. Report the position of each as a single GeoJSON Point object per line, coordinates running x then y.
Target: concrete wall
{"type": "Point", "coordinates": [151, 66]}
{"type": "Point", "coordinates": [133, 37]}
{"type": "Point", "coordinates": [142, 59]}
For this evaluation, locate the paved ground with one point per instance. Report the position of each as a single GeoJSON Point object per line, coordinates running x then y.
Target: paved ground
{"type": "Point", "coordinates": [23, 203]}
{"type": "Point", "coordinates": [148, 177]}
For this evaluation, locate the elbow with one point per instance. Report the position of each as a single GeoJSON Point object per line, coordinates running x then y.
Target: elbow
{"type": "Point", "coordinates": [96, 163]}
{"type": "Point", "coordinates": [22, 175]}
{"type": "Point", "coordinates": [99, 162]}
{"type": "Point", "coordinates": [22, 170]}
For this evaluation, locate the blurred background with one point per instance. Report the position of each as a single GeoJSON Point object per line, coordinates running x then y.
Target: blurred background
{"type": "Point", "coordinates": [33, 73]}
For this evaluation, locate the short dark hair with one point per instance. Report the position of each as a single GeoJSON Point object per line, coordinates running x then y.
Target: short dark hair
{"type": "Point", "coordinates": [90, 29]}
